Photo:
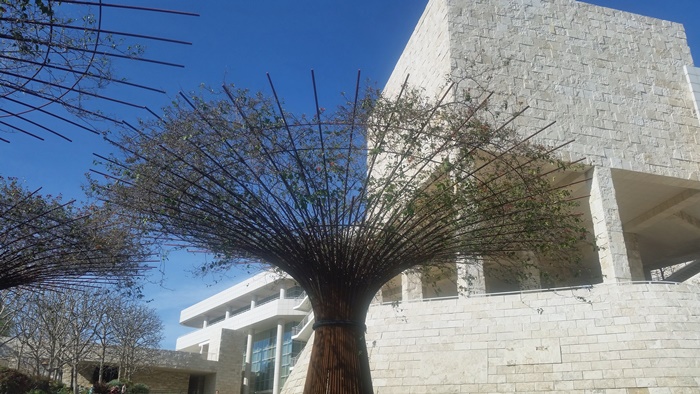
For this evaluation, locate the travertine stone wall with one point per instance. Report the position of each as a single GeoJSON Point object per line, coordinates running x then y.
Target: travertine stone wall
{"type": "Point", "coordinates": [231, 345]}
{"type": "Point", "coordinates": [610, 240]}
{"type": "Point", "coordinates": [165, 381]}
{"type": "Point", "coordinates": [614, 81]}
{"type": "Point", "coordinates": [692, 74]}
{"type": "Point", "coordinates": [611, 339]}
{"type": "Point", "coordinates": [430, 37]}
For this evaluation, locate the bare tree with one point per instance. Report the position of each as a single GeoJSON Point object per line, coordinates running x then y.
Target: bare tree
{"type": "Point", "coordinates": [342, 200]}
{"type": "Point", "coordinates": [136, 331]}
{"type": "Point", "coordinates": [57, 330]}
{"type": "Point", "coordinates": [104, 331]}
{"type": "Point", "coordinates": [82, 317]}
{"type": "Point", "coordinates": [41, 332]}
{"type": "Point", "coordinates": [47, 242]}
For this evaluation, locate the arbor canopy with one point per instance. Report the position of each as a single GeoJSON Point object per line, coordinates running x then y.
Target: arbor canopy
{"type": "Point", "coordinates": [342, 200]}
{"type": "Point", "coordinates": [57, 55]}
{"type": "Point", "coordinates": [46, 242]}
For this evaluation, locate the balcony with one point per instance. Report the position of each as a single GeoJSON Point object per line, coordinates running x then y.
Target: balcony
{"type": "Point", "coordinates": [302, 331]}
{"type": "Point", "coordinates": [264, 313]}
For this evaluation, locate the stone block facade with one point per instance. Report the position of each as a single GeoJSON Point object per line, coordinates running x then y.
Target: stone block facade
{"type": "Point", "coordinates": [165, 381]}
{"type": "Point", "coordinates": [176, 372]}
{"type": "Point", "coordinates": [608, 339]}
{"type": "Point", "coordinates": [614, 82]}
{"type": "Point", "coordinates": [623, 93]}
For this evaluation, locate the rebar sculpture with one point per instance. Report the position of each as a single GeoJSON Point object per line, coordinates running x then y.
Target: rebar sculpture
{"type": "Point", "coordinates": [55, 55]}
{"type": "Point", "coordinates": [343, 200]}
{"type": "Point", "coordinates": [47, 243]}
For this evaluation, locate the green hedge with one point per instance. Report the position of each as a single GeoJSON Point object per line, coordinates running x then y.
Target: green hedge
{"type": "Point", "coordinates": [13, 381]}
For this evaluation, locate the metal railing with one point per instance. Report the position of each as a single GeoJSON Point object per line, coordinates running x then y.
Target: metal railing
{"type": "Point", "coordinates": [530, 291]}
{"type": "Point", "coordinates": [294, 360]}
{"type": "Point", "coordinates": [297, 329]}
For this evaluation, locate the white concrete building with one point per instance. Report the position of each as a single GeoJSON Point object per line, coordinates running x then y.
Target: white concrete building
{"type": "Point", "coordinates": [273, 314]}
{"type": "Point", "coordinates": [625, 89]}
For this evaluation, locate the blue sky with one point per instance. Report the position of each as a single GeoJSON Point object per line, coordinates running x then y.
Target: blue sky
{"type": "Point", "coordinates": [238, 42]}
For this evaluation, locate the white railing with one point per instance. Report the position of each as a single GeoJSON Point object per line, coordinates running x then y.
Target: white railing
{"type": "Point", "coordinates": [239, 311]}
{"type": "Point", "coordinates": [294, 360]}
{"type": "Point", "coordinates": [300, 297]}
{"type": "Point", "coordinates": [551, 289]}
{"type": "Point", "coordinates": [297, 329]}
{"type": "Point", "coordinates": [210, 356]}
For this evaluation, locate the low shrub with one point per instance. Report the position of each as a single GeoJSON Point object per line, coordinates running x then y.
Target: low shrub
{"type": "Point", "coordinates": [14, 382]}
{"type": "Point", "coordinates": [139, 388]}
{"type": "Point", "coordinates": [115, 383]}
{"type": "Point", "coordinates": [100, 388]}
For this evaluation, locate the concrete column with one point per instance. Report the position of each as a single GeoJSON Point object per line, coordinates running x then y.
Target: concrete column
{"type": "Point", "coordinates": [228, 378]}
{"type": "Point", "coordinates": [530, 278]}
{"type": "Point", "coordinates": [529, 275]}
{"type": "Point", "coordinates": [205, 322]}
{"type": "Point", "coordinates": [470, 277]}
{"type": "Point", "coordinates": [283, 293]}
{"type": "Point", "coordinates": [607, 227]}
{"type": "Point", "coordinates": [634, 257]}
{"type": "Point", "coordinates": [378, 298]}
{"type": "Point", "coordinates": [248, 361]}
{"type": "Point", "coordinates": [228, 313]}
{"type": "Point", "coordinates": [411, 286]}
{"type": "Point", "coordinates": [278, 357]}
{"type": "Point", "coordinates": [253, 301]}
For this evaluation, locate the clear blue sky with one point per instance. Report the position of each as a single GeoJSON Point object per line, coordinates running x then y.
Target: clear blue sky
{"type": "Point", "coordinates": [238, 42]}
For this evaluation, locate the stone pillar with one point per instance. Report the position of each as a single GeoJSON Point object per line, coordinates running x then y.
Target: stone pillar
{"type": "Point", "coordinates": [529, 275]}
{"type": "Point", "coordinates": [411, 286]}
{"type": "Point", "coordinates": [634, 257]}
{"type": "Point", "coordinates": [248, 361]}
{"type": "Point", "coordinates": [378, 298]}
{"type": "Point", "coordinates": [470, 277]}
{"type": "Point", "coordinates": [278, 358]}
{"type": "Point", "coordinates": [227, 379]}
{"type": "Point", "coordinates": [530, 278]}
{"type": "Point", "coordinates": [607, 227]}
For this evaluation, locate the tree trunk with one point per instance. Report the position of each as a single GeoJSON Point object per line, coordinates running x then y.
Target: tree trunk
{"type": "Point", "coordinates": [74, 378]}
{"type": "Point", "coordinates": [339, 361]}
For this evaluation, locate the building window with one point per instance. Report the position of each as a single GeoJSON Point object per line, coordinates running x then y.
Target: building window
{"type": "Point", "coordinates": [263, 360]}
{"type": "Point", "coordinates": [263, 357]}
{"type": "Point", "coordinates": [289, 350]}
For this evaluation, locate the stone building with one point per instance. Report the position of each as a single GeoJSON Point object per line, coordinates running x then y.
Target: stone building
{"type": "Point", "coordinates": [624, 88]}
{"type": "Point", "coordinates": [163, 371]}
{"type": "Point", "coordinates": [173, 372]}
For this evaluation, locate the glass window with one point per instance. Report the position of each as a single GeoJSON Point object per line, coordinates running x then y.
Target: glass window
{"type": "Point", "coordinates": [263, 357]}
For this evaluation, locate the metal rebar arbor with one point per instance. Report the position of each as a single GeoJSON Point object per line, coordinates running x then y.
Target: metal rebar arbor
{"type": "Point", "coordinates": [56, 54]}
